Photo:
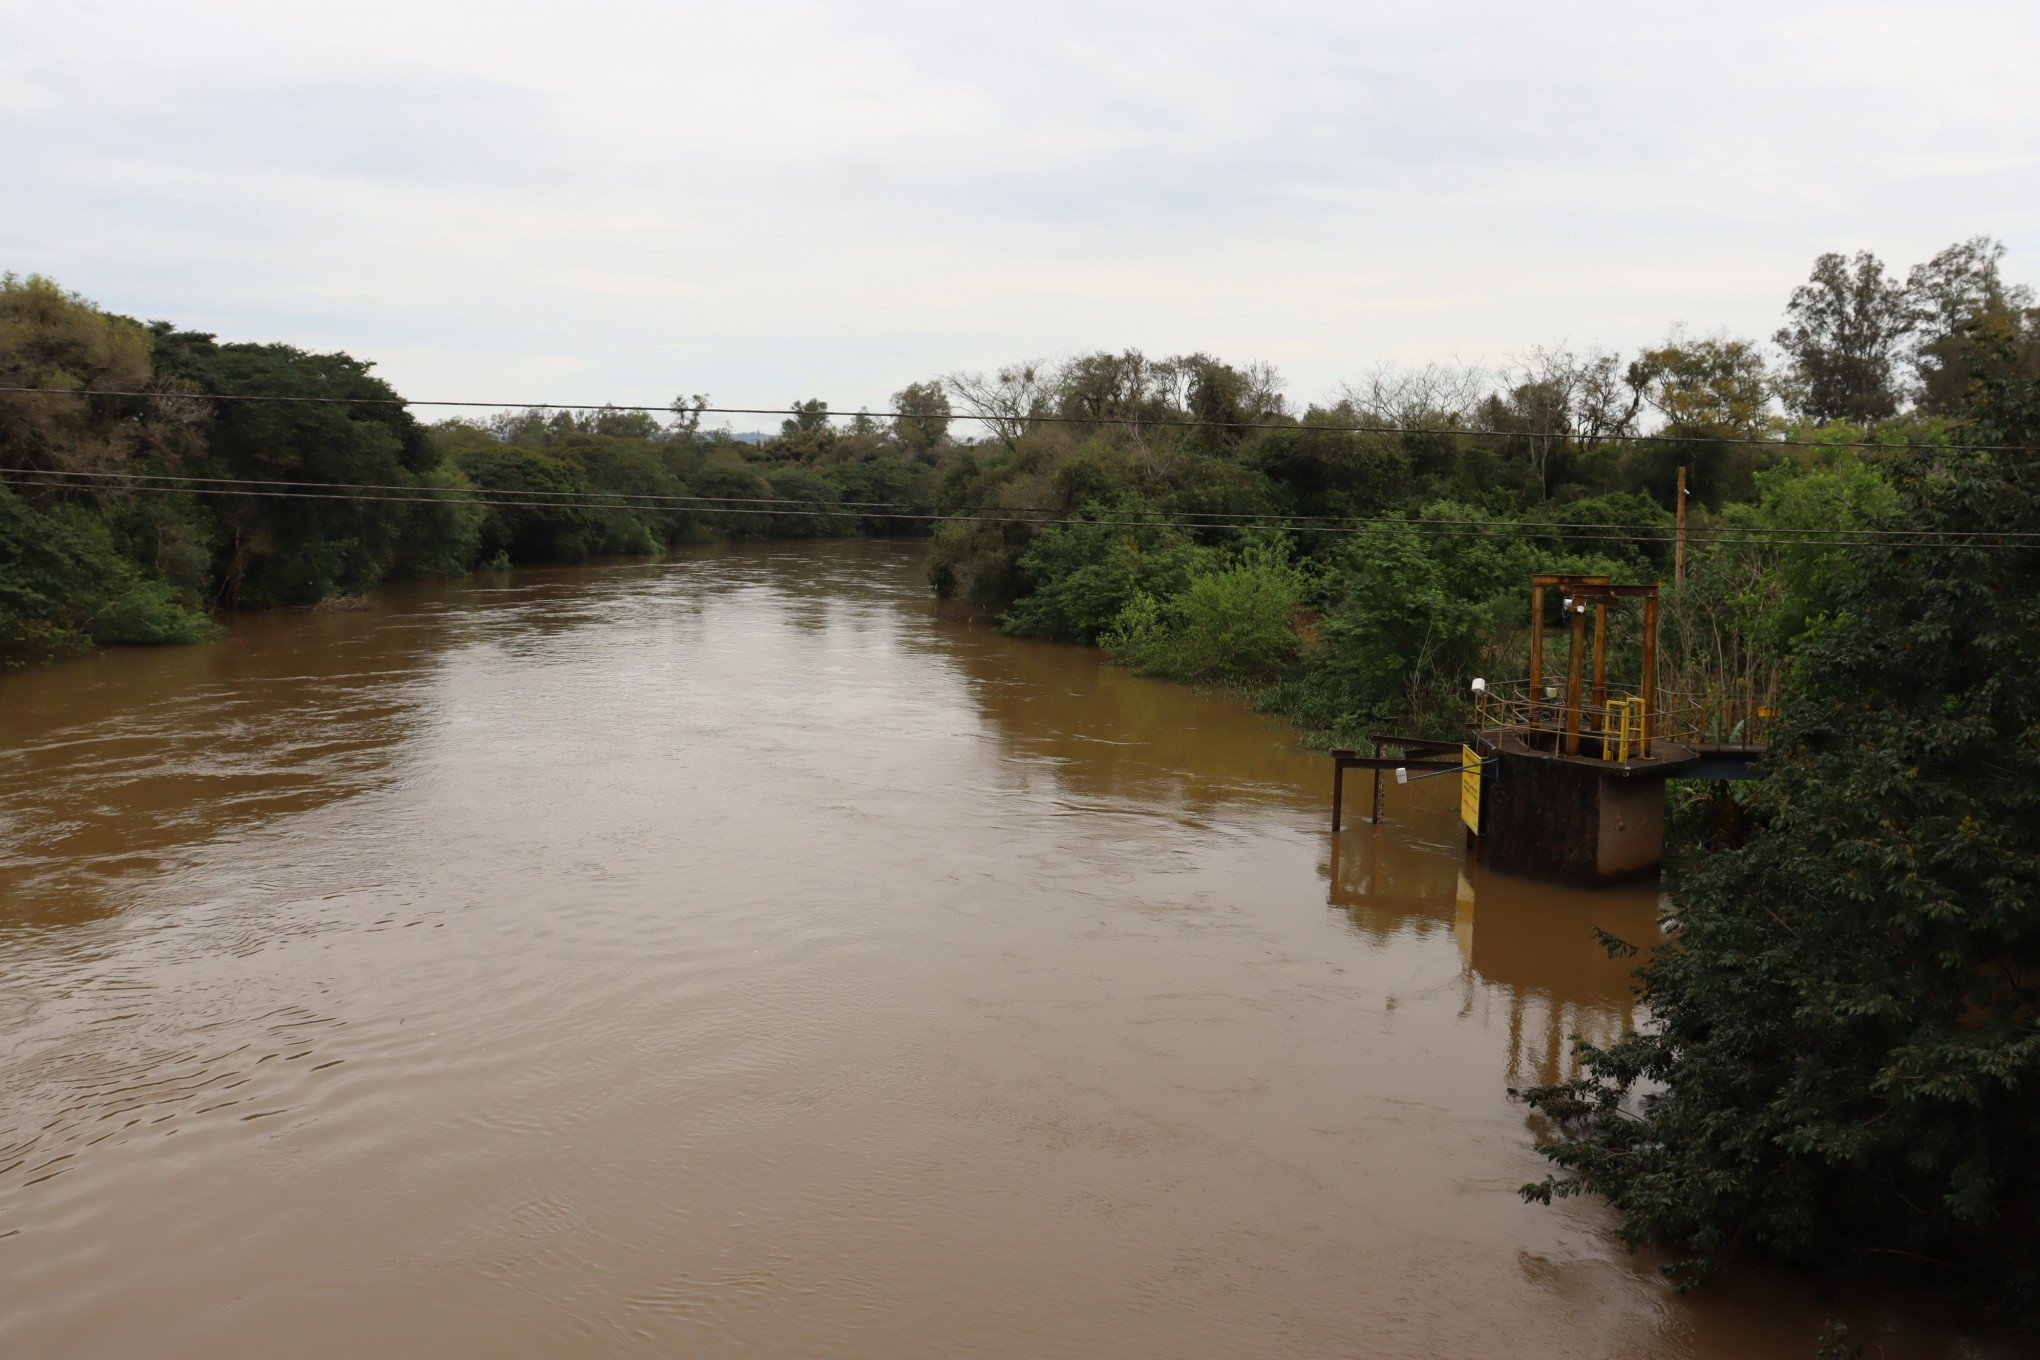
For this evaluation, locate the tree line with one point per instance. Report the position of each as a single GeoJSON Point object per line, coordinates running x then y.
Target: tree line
{"type": "Point", "coordinates": [134, 519]}
{"type": "Point", "coordinates": [1842, 1060]}
{"type": "Point", "coordinates": [1566, 460]}
{"type": "Point", "coordinates": [101, 559]}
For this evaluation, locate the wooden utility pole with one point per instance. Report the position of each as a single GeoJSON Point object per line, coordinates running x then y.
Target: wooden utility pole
{"type": "Point", "coordinates": [1679, 544]}
{"type": "Point", "coordinates": [1649, 676]}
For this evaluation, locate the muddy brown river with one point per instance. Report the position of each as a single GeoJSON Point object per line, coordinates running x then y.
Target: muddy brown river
{"type": "Point", "coordinates": [729, 955]}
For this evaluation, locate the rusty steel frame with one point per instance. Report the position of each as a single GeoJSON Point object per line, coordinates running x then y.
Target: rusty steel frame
{"type": "Point", "coordinates": [1600, 591]}
{"type": "Point", "coordinates": [1344, 760]}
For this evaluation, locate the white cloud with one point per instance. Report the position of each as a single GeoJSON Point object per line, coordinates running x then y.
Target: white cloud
{"type": "Point", "coordinates": [624, 200]}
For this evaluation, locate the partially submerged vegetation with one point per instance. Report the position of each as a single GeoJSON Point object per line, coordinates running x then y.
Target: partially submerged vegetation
{"type": "Point", "coordinates": [132, 518]}
{"type": "Point", "coordinates": [1843, 1064]}
{"type": "Point", "coordinates": [1844, 1056]}
{"type": "Point", "coordinates": [1356, 563]}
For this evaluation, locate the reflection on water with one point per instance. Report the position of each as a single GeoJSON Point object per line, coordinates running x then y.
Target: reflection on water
{"type": "Point", "coordinates": [730, 954]}
{"type": "Point", "coordinates": [1531, 950]}
{"type": "Point", "coordinates": [1560, 986]}
{"type": "Point", "coordinates": [115, 763]}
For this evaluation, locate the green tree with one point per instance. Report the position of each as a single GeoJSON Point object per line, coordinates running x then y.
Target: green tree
{"type": "Point", "coordinates": [810, 419]}
{"type": "Point", "coordinates": [1844, 331]}
{"type": "Point", "coordinates": [1712, 387]}
{"type": "Point", "coordinates": [1080, 577]}
{"type": "Point", "coordinates": [50, 338]}
{"type": "Point", "coordinates": [1231, 623]}
{"type": "Point", "coordinates": [84, 557]}
{"type": "Point", "coordinates": [287, 550]}
{"type": "Point", "coordinates": [1843, 1059]}
{"type": "Point", "coordinates": [64, 584]}
{"type": "Point", "coordinates": [1411, 619]}
{"type": "Point", "coordinates": [538, 512]}
{"type": "Point", "coordinates": [1706, 389]}
{"type": "Point", "coordinates": [1952, 295]}
{"type": "Point", "coordinates": [687, 413]}
{"type": "Point", "coordinates": [922, 422]}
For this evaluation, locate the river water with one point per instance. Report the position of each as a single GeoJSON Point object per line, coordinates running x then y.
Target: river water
{"type": "Point", "coordinates": [729, 955]}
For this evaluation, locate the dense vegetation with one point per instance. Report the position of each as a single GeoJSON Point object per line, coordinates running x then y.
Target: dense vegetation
{"type": "Point", "coordinates": [1844, 1055]}
{"type": "Point", "coordinates": [1844, 1062]}
{"type": "Point", "coordinates": [1420, 584]}
{"type": "Point", "coordinates": [114, 527]}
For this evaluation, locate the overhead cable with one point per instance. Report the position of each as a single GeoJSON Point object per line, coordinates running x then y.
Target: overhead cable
{"type": "Point", "coordinates": [1190, 518]}
{"type": "Point", "coordinates": [514, 499]}
{"type": "Point", "coordinates": [1029, 418]}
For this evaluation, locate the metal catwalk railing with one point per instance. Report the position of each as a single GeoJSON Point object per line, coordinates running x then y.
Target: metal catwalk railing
{"type": "Point", "coordinates": [1618, 728]}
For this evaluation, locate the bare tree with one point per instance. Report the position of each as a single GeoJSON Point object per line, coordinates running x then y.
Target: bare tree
{"type": "Point", "coordinates": [1559, 402]}
{"type": "Point", "coordinates": [1264, 391]}
{"type": "Point", "coordinates": [1434, 397]}
{"type": "Point", "coordinates": [687, 411]}
{"type": "Point", "coordinates": [1001, 401]}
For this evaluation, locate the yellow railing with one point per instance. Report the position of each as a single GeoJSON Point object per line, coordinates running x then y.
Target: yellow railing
{"type": "Point", "coordinates": [1617, 727]}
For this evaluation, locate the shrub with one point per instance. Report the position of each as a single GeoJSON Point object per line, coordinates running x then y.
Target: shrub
{"type": "Point", "coordinates": [62, 583]}
{"type": "Point", "coordinates": [1843, 1057]}
{"type": "Point", "coordinates": [1234, 624]}
{"type": "Point", "coordinates": [150, 614]}
{"type": "Point", "coordinates": [1083, 575]}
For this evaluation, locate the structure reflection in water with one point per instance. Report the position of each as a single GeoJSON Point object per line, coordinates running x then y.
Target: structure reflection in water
{"type": "Point", "coordinates": [731, 955]}
{"type": "Point", "coordinates": [1533, 943]}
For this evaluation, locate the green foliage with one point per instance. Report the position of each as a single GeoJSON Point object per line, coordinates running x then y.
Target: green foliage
{"type": "Point", "coordinates": [1845, 325]}
{"type": "Point", "coordinates": [51, 338]}
{"type": "Point", "coordinates": [1824, 502]}
{"type": "Point", "coordinates": [63, 584]}
{"type": "Point", "coordinates": [1843, 1059]}
{"type": "Point", "coordinates": [1411, 617]}
{"type": "Point", "coordinates": [977, 563]}
{"type": "Point", "coordinates": [1714, 387]}
{"type": "Point", "coordinates": [1599, 522]}
{"type": "Point", "coordinates": [525, 519]}
{"type": "Point", "coordinates": [443, 539]}
{"type": "Point", "coordinates": [1327, 473]}
{"type": "Point", "coordinates": [922, 424]}
{"type": "Point", "coordinates": [1082, 576]}
{"type": "Point", "coordinates": [807, 496]}
{"type": "Point", "coordinates": [274, 550]}
{"type": "Point", "coordinates": [1232, 622]}
{"type": "Point", "coordinates": [148, 613]}
{"type": "Point", "coordinates": [1731, 629]}
{"type": "Point", "coordinates": [886, 480]}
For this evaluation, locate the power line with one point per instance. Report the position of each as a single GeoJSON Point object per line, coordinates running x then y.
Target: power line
{"type": "Point", "coordinates": [1189, 518]}
{"type": "Point", "coordinates": [1135, 422]}
{"type": "Point", "coordinates": [815, 509]}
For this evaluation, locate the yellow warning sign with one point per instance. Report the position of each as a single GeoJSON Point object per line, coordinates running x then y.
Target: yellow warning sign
{"type": "Point", "coordinates": [1469, 789]}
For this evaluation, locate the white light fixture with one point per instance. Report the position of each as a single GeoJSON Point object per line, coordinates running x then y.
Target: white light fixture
{"type": "Point", "coordinates": [1402, 774]}
{"type": "Point", "coordinates": [1479, 685]}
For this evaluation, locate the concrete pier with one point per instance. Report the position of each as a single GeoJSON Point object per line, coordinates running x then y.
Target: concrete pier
{"type": "Point", "coordinates": [1576, 821]}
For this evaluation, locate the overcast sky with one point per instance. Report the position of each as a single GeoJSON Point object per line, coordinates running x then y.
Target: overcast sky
{"type": "Point", "coordinates": [621, 201]}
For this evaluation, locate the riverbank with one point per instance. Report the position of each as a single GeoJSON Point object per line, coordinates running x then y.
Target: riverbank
{"type": "Point", "coordinates": [730, 951]}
